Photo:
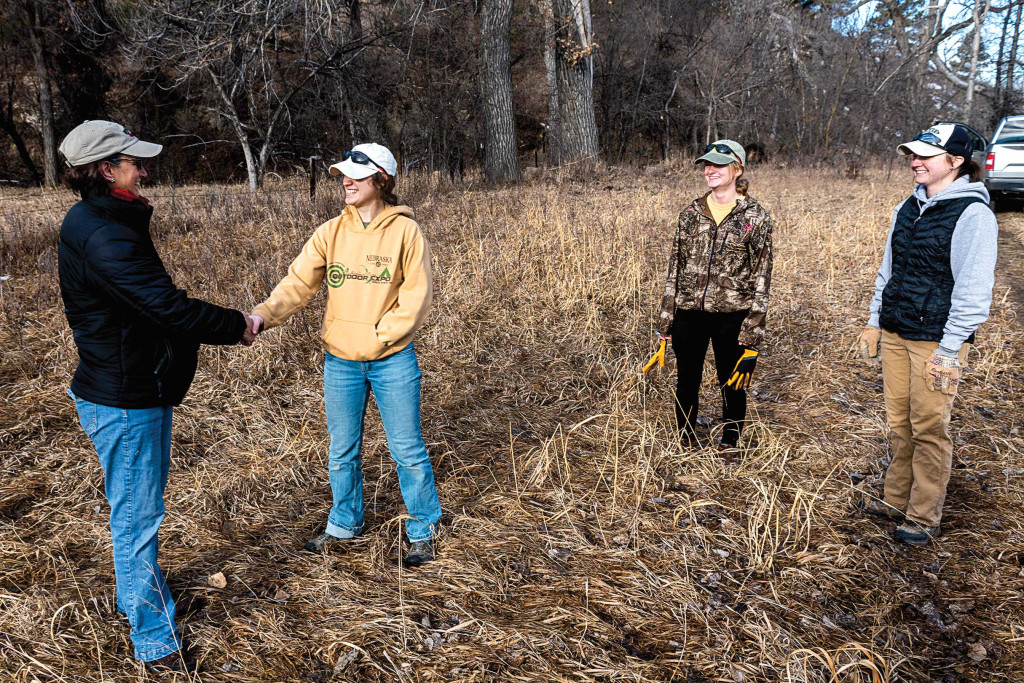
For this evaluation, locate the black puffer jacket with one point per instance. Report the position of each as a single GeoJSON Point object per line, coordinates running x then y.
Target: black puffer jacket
{"type": "Point", "coordinates": [137, 334]}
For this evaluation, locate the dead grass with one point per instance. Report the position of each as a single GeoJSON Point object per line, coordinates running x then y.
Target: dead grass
{"type": "Point", "coordinates": [580, 543]}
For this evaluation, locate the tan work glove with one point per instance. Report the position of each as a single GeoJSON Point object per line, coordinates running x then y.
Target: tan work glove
{"type": "Point", "coordinates": [868, 342]}
{"type": "Point", "coordinates": [942, 374]}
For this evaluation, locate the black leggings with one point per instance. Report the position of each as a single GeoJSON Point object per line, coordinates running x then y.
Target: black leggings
{"type": "Point", "coordinates": [691, 331]}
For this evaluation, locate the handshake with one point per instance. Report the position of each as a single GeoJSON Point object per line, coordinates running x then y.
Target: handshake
{"type": "Point", "coordinates": [253, 326]}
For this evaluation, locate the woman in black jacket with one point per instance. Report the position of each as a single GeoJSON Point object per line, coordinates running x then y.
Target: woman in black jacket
{"type": "Point", "coordinates": [138, 339]}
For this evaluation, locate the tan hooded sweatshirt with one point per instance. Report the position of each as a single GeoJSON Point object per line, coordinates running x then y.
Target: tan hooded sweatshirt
{"type": "Point", "coordinates": [378, 279]}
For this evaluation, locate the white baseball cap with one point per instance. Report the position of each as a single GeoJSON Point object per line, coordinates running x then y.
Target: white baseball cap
{"type": "Point", "coordinates": [96, 140]}
{"type": "Point", "coordinates": [362, 161]}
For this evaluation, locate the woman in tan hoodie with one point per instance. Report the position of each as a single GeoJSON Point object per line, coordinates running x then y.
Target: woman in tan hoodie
{"type": "Point", "coordinates": [377, 267]}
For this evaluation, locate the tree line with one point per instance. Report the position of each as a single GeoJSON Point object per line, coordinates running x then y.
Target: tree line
{"type": "Point", "coordinates": [237, 89]}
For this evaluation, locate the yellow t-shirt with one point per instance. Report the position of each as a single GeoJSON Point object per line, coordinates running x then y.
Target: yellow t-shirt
{"type": "Point", "coordinates": [719, 211]}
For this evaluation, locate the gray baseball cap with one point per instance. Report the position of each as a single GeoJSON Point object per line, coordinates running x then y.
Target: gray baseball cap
{"type": "Point", "coordinates": [96, 140]}
{"type": "Point", "coordinates": [723, 153]}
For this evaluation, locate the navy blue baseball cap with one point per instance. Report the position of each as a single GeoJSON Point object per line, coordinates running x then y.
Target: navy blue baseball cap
{"type": "Point", "coordinates": [939, 139]}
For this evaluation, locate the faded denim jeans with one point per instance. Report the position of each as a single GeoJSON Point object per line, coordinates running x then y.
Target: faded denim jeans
{"type": "Point", "coordinates": [395, 382]}
{"type": "Point", "coordinates": [134, 448]}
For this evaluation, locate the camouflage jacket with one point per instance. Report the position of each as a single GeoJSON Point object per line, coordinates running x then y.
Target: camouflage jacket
{"type": "Point", "coordinates": [721, 269]}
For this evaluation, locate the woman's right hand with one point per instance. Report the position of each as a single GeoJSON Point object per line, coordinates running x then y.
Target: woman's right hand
{"type": "Point", "coordinates": [868, 343]}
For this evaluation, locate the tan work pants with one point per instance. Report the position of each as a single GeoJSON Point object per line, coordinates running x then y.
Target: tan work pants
{"type": "Point", "coordinates": [922, 450]}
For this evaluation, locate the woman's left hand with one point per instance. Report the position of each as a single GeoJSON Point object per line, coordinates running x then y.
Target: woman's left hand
{"type": "Point", "coordinates": [744, 370]}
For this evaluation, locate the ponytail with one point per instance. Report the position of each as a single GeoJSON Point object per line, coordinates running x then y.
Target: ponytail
{"type": "Point", "coordinates": [742, 184]}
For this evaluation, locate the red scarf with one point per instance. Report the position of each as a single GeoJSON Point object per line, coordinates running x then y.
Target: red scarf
{"type": "Point", "coordinates": [128, 196]}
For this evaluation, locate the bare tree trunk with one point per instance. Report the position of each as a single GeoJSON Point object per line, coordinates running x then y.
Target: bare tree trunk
{"type": "Point", "coordinates": [7, 124]}
{"type": "Point", "coordinates": [1011, 91]}
{"type": "Point", "coordinates": [979, 13]}
{"type": "Point", "coordinates": [1001, 63]}
{"type": "Point", "coordinates": [46, 124]}
{"type": "Point", "coordinates": [360, 127]}
{"type": "Point", "coordinates": [554, 132]}
{"type": "Point", "coordinates": [574, 65]}
{"type": "Point", "coordinates": [496, 79]}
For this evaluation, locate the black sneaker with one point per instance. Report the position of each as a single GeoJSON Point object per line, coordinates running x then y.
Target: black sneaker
{"type": "Point", "coordinates": [176, 662]}
{"type": "Point", "coordinates": [420, 552]}
{"type": "Point", "coordinates": [322, 542]}
{"type": "Point", "coordinates": [913, 533]}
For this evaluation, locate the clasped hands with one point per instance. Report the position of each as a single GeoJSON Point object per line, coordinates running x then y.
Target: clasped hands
{"type": "Point", "coordinates": [253, 326]}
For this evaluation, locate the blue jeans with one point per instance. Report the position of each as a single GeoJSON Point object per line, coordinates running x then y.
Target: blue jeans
{"type": "Point", "coordinates": [395, 382]}
{"type": "Point", "coordinates": [134, 448]}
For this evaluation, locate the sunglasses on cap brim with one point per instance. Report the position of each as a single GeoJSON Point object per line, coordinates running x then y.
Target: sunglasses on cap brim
{"type": "Point", "coordinates": [721, 149]}
{"type": "Point", "coordinates": [930, 138]}
{"type": "Point", "coordinates": [362, 159]}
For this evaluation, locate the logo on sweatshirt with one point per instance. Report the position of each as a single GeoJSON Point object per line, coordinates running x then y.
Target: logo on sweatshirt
{"type": "Point", "coordinates": [377, 261]}
{"type": "Point", "coordinates": [338, 274]}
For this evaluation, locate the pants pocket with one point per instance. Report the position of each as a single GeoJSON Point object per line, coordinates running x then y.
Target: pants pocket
{"type": "Point", "coordinates": [87, 415]}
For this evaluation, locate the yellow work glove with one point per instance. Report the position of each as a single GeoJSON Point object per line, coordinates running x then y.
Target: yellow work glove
{"type": "Point", "coordinates": [942, 374]}
{"type": "Point", "coordinates": [658, 357]}
{"type": "Point", "coordinates": [869, 339]}
{"type": "Point", "coordinates": [743, 371]}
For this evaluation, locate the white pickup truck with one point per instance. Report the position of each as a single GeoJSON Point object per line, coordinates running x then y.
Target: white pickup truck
{"type": "Point", "coordinates": [1004, 161]}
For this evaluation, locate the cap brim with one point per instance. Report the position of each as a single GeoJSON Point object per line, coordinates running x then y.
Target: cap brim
{"type": "Point", "coordinates": [352, 170]}
{"type": "Point", "coordinates": [920, 148]}
{"type": "Point", "coordinates": [716, 158]}
{"type": "Point", "coordinates": [142, 150]}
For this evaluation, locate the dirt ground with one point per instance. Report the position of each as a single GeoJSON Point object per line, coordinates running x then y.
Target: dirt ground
{"type": "Point", "coordinates": [580, 542]}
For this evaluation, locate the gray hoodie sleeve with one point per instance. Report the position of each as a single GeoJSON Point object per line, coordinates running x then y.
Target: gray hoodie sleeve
{"type": "Point", "coordinates": [884, 271]}
{"type": "Point", "coordinates": [972, 258]}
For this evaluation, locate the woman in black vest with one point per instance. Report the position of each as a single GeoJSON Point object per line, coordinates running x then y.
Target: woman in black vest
{"type": "Point", "coordinates": [932, 291]}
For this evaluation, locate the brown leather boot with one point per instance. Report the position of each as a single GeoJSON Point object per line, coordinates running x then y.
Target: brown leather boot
{"type": "Point", "coordinates": [176, 662]}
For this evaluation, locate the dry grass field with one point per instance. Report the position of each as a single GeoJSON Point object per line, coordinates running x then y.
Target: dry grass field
{"type": "Point", "coordinates": [580, 543]}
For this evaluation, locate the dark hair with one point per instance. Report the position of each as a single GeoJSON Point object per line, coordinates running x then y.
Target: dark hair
{"type": "Point", "coordinates": [386, 184]}
{"type": "Point", "coordinates": [87, 180]}
{"type": "Point", "coordinates": [970, 168]}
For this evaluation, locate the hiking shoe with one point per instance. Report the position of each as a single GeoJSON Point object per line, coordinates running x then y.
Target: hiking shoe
{"type": "Point", "coordinates": [188, 604]}
{"type": "Point", "coordinates": [322, 542]}
{"type": "Point", "coordinates": [690, 441]}
{"type": "Point", "coordinates": [728, 450]}
{"type": "Point", "coordinates": [420, 552]}
{"type": "Point", "coordinates": [913, 533]}
{"type": "Point", "coordinates": [878, 508]}
{"type": "Point", "coordinates": [176, 662]}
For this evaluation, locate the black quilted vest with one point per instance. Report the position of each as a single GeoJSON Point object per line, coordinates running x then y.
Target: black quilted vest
{"type": "Point", "coordinates": [917, 297]}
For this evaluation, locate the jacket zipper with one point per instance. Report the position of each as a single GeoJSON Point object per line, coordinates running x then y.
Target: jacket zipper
{"type": "Point", "coordinates": [711, 252]}
{"type": "Point", "coordinates": [913, 232]}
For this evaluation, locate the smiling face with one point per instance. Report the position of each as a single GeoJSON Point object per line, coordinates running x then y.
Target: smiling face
{"type": "Point", "coordinates": [720, 176]}
{"type": "Point", "coordinates": [125, 173]}
{"type": "Point", "coordinates": [360, 193]}
{"type": "Point", "coordinates": [936, 172]}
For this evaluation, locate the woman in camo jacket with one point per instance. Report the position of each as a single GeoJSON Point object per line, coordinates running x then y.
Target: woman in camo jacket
{"type": "Point", "coordinates": [719, 274]}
